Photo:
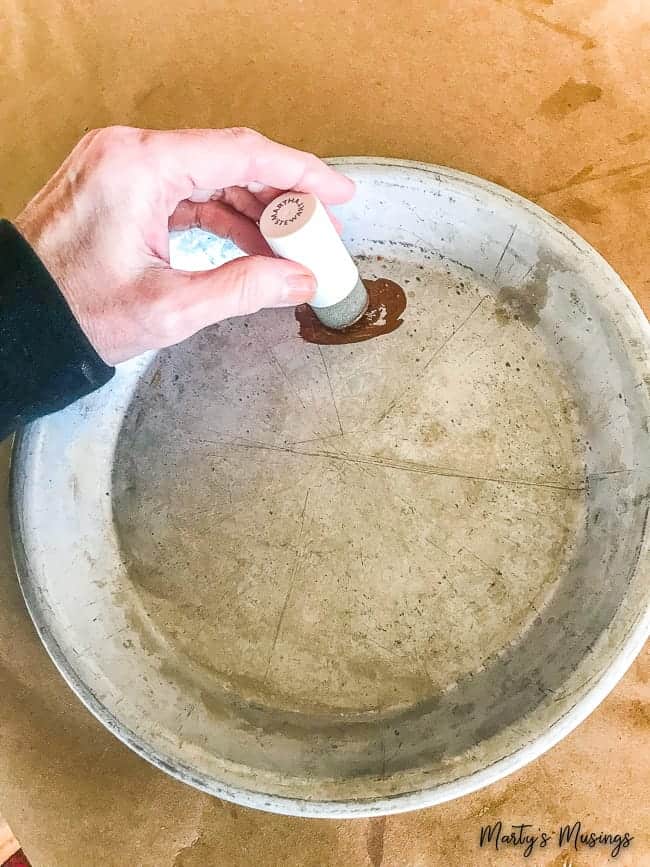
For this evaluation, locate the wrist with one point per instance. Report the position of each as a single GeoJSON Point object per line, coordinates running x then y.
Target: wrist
{"type": "Point", "coordinates": [34, 232]}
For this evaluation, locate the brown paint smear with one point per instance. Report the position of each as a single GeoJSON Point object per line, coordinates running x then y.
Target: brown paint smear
{"type": "Point", "coordinates": [386, 303]}
{"type": "Point", "coordinates": [570, 97]}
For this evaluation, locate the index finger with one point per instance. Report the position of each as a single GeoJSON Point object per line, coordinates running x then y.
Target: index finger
{"type": "Point", "coordinates": [217, 158]}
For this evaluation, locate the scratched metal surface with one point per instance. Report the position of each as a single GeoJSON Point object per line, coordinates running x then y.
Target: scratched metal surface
{"type": "Point", "coordinates": [354, 580]}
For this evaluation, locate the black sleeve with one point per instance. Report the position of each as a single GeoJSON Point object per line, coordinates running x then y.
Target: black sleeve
{"type": "Point", "coordinates": [46, 360]}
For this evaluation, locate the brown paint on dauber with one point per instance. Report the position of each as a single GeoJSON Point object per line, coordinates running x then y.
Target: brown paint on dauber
{"type": "Point", "coordinates": [386, 303]}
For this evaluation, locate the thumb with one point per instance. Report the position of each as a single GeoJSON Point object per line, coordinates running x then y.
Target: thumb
{"type": "Point", "coordinates": [244, 286]}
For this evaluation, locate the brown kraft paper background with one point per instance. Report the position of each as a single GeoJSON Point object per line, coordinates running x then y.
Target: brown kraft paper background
{"type": "Point", "coordinates": [550, 99]}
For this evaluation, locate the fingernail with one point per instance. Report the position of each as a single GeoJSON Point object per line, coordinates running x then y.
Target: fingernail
{"type": "Point", "coordinates": [201, 196]}
{"type": "Point", "coordinates": [255, 187]}
{"type": "Point", "coordinates": [301, 287]}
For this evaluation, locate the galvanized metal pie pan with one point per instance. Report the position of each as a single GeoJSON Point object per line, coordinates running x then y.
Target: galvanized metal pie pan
{"type": "Point", "coordinates": [361, 579]}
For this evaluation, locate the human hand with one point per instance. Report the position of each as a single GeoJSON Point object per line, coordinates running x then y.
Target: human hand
{"type": "Point", "coordinates": [100, 226]}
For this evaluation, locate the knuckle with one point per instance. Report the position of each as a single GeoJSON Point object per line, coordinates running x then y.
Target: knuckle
{"type": "Point", "coordinates": [142, 138]}
{"type": "Point", "coordinates": [167, 314]}
{"type": "Point", "coordinates": [246, 287]}
{"type": "Point", "coordinates": [243, 135]}
{"type": "Point", "coordinates": [121, 134]}
{"type": "Point", "coordinates": [89, 136]}
{"type": "Point", "coordinates": [313, 165]}
{"type": "Point", "coordinates": [113, 143]}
